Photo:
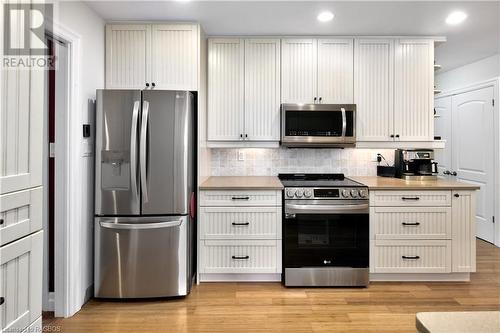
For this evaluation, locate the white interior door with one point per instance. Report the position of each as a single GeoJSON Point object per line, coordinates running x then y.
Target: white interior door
{"type": "Point", "coordinates": [473, 151]}
{"type": "Point", "coordinates": [442, 127]}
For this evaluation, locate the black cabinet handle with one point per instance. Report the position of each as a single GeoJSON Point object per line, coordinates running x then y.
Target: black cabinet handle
{"type": "Point", "coordinates": [320, 99]}
{"type": "Point", "coordinates": [397, 135]}
{"type": "Point", "coordinates": [153, 84]}
{"type": "Point", "coordinates": [392, 135]}
{"type": "Point", "coordinates": [240, 257]}
{"type": "Point", "coordinates": [454, 173]}
{"type": "Point", "coordinates": [410, 223]}
{"type": "Point", "coordinates": [2, 300]}
{"type": "Point", "coordinates": [456, 195]}
{"type": "Point", "coordinates": [410, 198]}
{"type": "Point", "coordinates": [240, 198]}
{"type": "Point", "coordinates": [246, 136]}
{"type": "Point", "coordinates": [315, 99]}
{"type": "Point", "coordinates": [1, 221]}
{"type": "Point", "coordinates": [446, 172]}
{"type": "Point", "coordinates": [240, 223]}
{"type": "Point", "coordinates": [410, 257]}
{"type": "Point", "coordinates": [147, 84]}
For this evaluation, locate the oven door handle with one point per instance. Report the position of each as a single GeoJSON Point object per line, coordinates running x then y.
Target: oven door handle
{"type": "Point", "coordinates": [325, 209]}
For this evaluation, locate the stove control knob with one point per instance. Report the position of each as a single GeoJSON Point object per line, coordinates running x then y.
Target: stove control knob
{"type": "Point", "coordinates": [299, 193]}
{"type": "Point", "coordinates": [290, 193]}
{"type": "Point", "coordinates": [354, 193]}
{"type": "Point", "coordinates": [308, 193]}
{"type": "Point", "coordinates": [346, 193]}
{"type": "Point", "coordinates": [363, 193]}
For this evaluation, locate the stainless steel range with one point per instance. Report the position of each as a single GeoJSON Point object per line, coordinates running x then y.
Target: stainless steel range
{"type": "Point", "coordinates": [325, 230]}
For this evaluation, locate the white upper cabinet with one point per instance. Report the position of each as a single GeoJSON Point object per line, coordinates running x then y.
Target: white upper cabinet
{"type": "Point", "coordinates": [243, 90]}
{"type": "Point", "coordinates": [127, 65]}
{"type": "Point", "coordinates": [161, 56]}
{"type": "Point", "coordinates": [414, 90]}
{"type": "Point", "coordinates": [225, 89]}
{"type": "Point", "coordinates": [262, 89]}
{"type": "Point", "coordinates": [335, 71]}
{"type": "Point", "coordinates": [174, 56]}
{"type": "Point", "coordinates": [374, 90]}
{"type": "Point", "coordinates": [298, 70]}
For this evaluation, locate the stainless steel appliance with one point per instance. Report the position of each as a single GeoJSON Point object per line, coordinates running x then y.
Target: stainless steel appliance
{"type": "Point", "coordinates": [325, 231]}
{"type": "Point", "coordinates": [144, 192]}
{"type": "Point", "coordinates": [318, 125]}
{"type": "Point", "coordinates": [415, 164]}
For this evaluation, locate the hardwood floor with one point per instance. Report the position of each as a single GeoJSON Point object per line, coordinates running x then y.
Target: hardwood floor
{"type": "Point", "coordinates": [269, 307]}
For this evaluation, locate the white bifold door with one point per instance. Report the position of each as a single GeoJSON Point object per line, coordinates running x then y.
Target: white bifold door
{"type": "Point", "coordinates": [466, 122]}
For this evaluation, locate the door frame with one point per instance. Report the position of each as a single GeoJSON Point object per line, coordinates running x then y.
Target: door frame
{"type": "Point", "coordinates": [68, 220]}
{"type": "Point", "coordinates": [495, 83]}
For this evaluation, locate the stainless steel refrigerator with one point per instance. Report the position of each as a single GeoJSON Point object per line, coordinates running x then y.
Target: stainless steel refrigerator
{"type": "Point", "coordinates": [144, 193]}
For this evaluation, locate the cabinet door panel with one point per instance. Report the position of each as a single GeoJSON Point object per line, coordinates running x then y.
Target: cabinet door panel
{"type": "Point", "coordinates": [298, 70]}
{"type": "Point", "coordinates": [21, 282]}
{"type": "Point", "coordinates": [174, 56]}
{"type": "Point", "coordinates": [463, 210]}
{"type": "Point", "coordinates": [127, 49]}
{"type": "Point", "coordinates": [21, 128]}
{"type": "Point", "coordinates": [225, 89]}
{"type": "Point", "coordinates": [262, 89]}
{"type": "Point", "coordinates": [335, 71]}
{"type": "Point", "coordinates": [374, 87]}
{"type": "Point", "coordinates": [414, 90]}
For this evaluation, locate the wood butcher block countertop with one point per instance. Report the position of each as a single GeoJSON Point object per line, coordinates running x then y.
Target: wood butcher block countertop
{"type": "Point", "coordinates": [241, 183]}
{"type": "Point", "coordinates": [386, 183]}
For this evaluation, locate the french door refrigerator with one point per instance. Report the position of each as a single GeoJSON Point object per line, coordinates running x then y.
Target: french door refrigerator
{"type": "Point", "coordinates": [144, 192]}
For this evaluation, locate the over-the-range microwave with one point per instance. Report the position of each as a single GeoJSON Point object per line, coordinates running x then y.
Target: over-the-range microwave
{"type": "Point", "coordinates": [318, 125]}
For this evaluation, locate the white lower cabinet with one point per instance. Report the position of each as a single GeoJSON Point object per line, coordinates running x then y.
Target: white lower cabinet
{"type": "Point", "coordinates": [239, 235]}
{"type": "Point", "coordinates": [421, 231]}
{"type": "Point", "coordinates": [21, 283]}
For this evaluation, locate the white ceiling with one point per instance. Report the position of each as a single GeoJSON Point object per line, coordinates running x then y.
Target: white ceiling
{"type": "Point", "coordinates": [478, 37]}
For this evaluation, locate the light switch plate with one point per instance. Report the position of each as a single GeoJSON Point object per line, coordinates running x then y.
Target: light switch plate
{"type": "Point", "coordinates": [241, 155]}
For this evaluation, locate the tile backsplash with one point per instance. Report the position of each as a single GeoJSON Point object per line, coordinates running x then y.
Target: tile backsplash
{"type": "Point", "coordinates": [270, 162]}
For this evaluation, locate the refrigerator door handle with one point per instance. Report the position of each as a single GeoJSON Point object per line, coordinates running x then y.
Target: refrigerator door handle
{"type": "Point", "coordinates": [143, 150]}
{"type": "Point", "coordinates": [138, 226]}
{"type": "Point", "coordinates": [133, 149]}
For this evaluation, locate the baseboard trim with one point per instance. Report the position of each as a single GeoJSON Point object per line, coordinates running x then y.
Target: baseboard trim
{"type": "Point", "coordinates": [460, 277]}
{"type": "Point", "coordinates": [234, 277]}
{"type": "Point", "coordinates": [35, 326]}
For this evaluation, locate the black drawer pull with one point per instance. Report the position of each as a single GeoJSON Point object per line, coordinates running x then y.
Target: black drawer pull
{"type": "Point", "coordinates": [410, 198]}
{"type": "Point", "coordinates": [1, 221]}
{"type": "Point", "coordinates": [2, 300]}
{"type": "Point", "coordinates": [240, 198]}
{"type": "Point", "coordinates": [410, 223]}
{"type": "Point", "coordinates": [456, 195]}
{"type": "Point", "coordinates": [240, 257]}
{"type": "Point", "coordinates": [240, 223]}
{"type": "Point", "coordinates": [410, 257]}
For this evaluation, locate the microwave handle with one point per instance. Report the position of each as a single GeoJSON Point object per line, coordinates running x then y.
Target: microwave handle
{"type": "Point", "coordinates": [344, 122]}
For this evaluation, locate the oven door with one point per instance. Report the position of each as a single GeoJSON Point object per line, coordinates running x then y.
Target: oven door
{"type": "Point", "coordinates": [328, 234]}
{"type": "Point", "coordinates": [318, 125]}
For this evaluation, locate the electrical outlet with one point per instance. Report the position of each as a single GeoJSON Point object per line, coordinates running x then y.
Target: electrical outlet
{"type": "Point", "coordinates": [375, 157]}
{"type": "Point", "coordinates": [241, 155]}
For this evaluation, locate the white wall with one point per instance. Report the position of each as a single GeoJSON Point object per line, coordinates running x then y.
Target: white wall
{"type": "Point", "coordinates": [467, 75]}
{"type": "Point", "coordinates": [84, 22]}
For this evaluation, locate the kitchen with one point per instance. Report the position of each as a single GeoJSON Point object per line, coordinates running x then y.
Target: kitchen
{"type": "Point", "coordinates": [274, 140]}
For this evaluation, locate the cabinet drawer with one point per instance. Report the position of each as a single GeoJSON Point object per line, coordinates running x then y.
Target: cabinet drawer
{"type": "Point", "coordinates": [240, 198]}
{"type": "Point", "coordinates": [419, 256]}
{"type": "Point", "coordinates": [410, 198]}
{"type": "Point", "coordinates": [21, 214]}
{"type": "Point", "coordinates": [240, 256]}
{"type": "Point", "coordinates": [410, 222]}
{"type": "Point", "coordinates": [21, 283]}
{"type": "Point", "coordinates": [240, 223]}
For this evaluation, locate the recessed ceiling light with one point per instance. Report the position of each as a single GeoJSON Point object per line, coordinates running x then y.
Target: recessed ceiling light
{"type": "Point", "coordinates": [456, 18]}
{"type": "Point", "coordinates": [325, 16]}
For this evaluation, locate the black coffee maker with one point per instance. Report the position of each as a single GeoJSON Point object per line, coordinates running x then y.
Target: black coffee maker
{"type": "Point", "coordinates": [415, 164]}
